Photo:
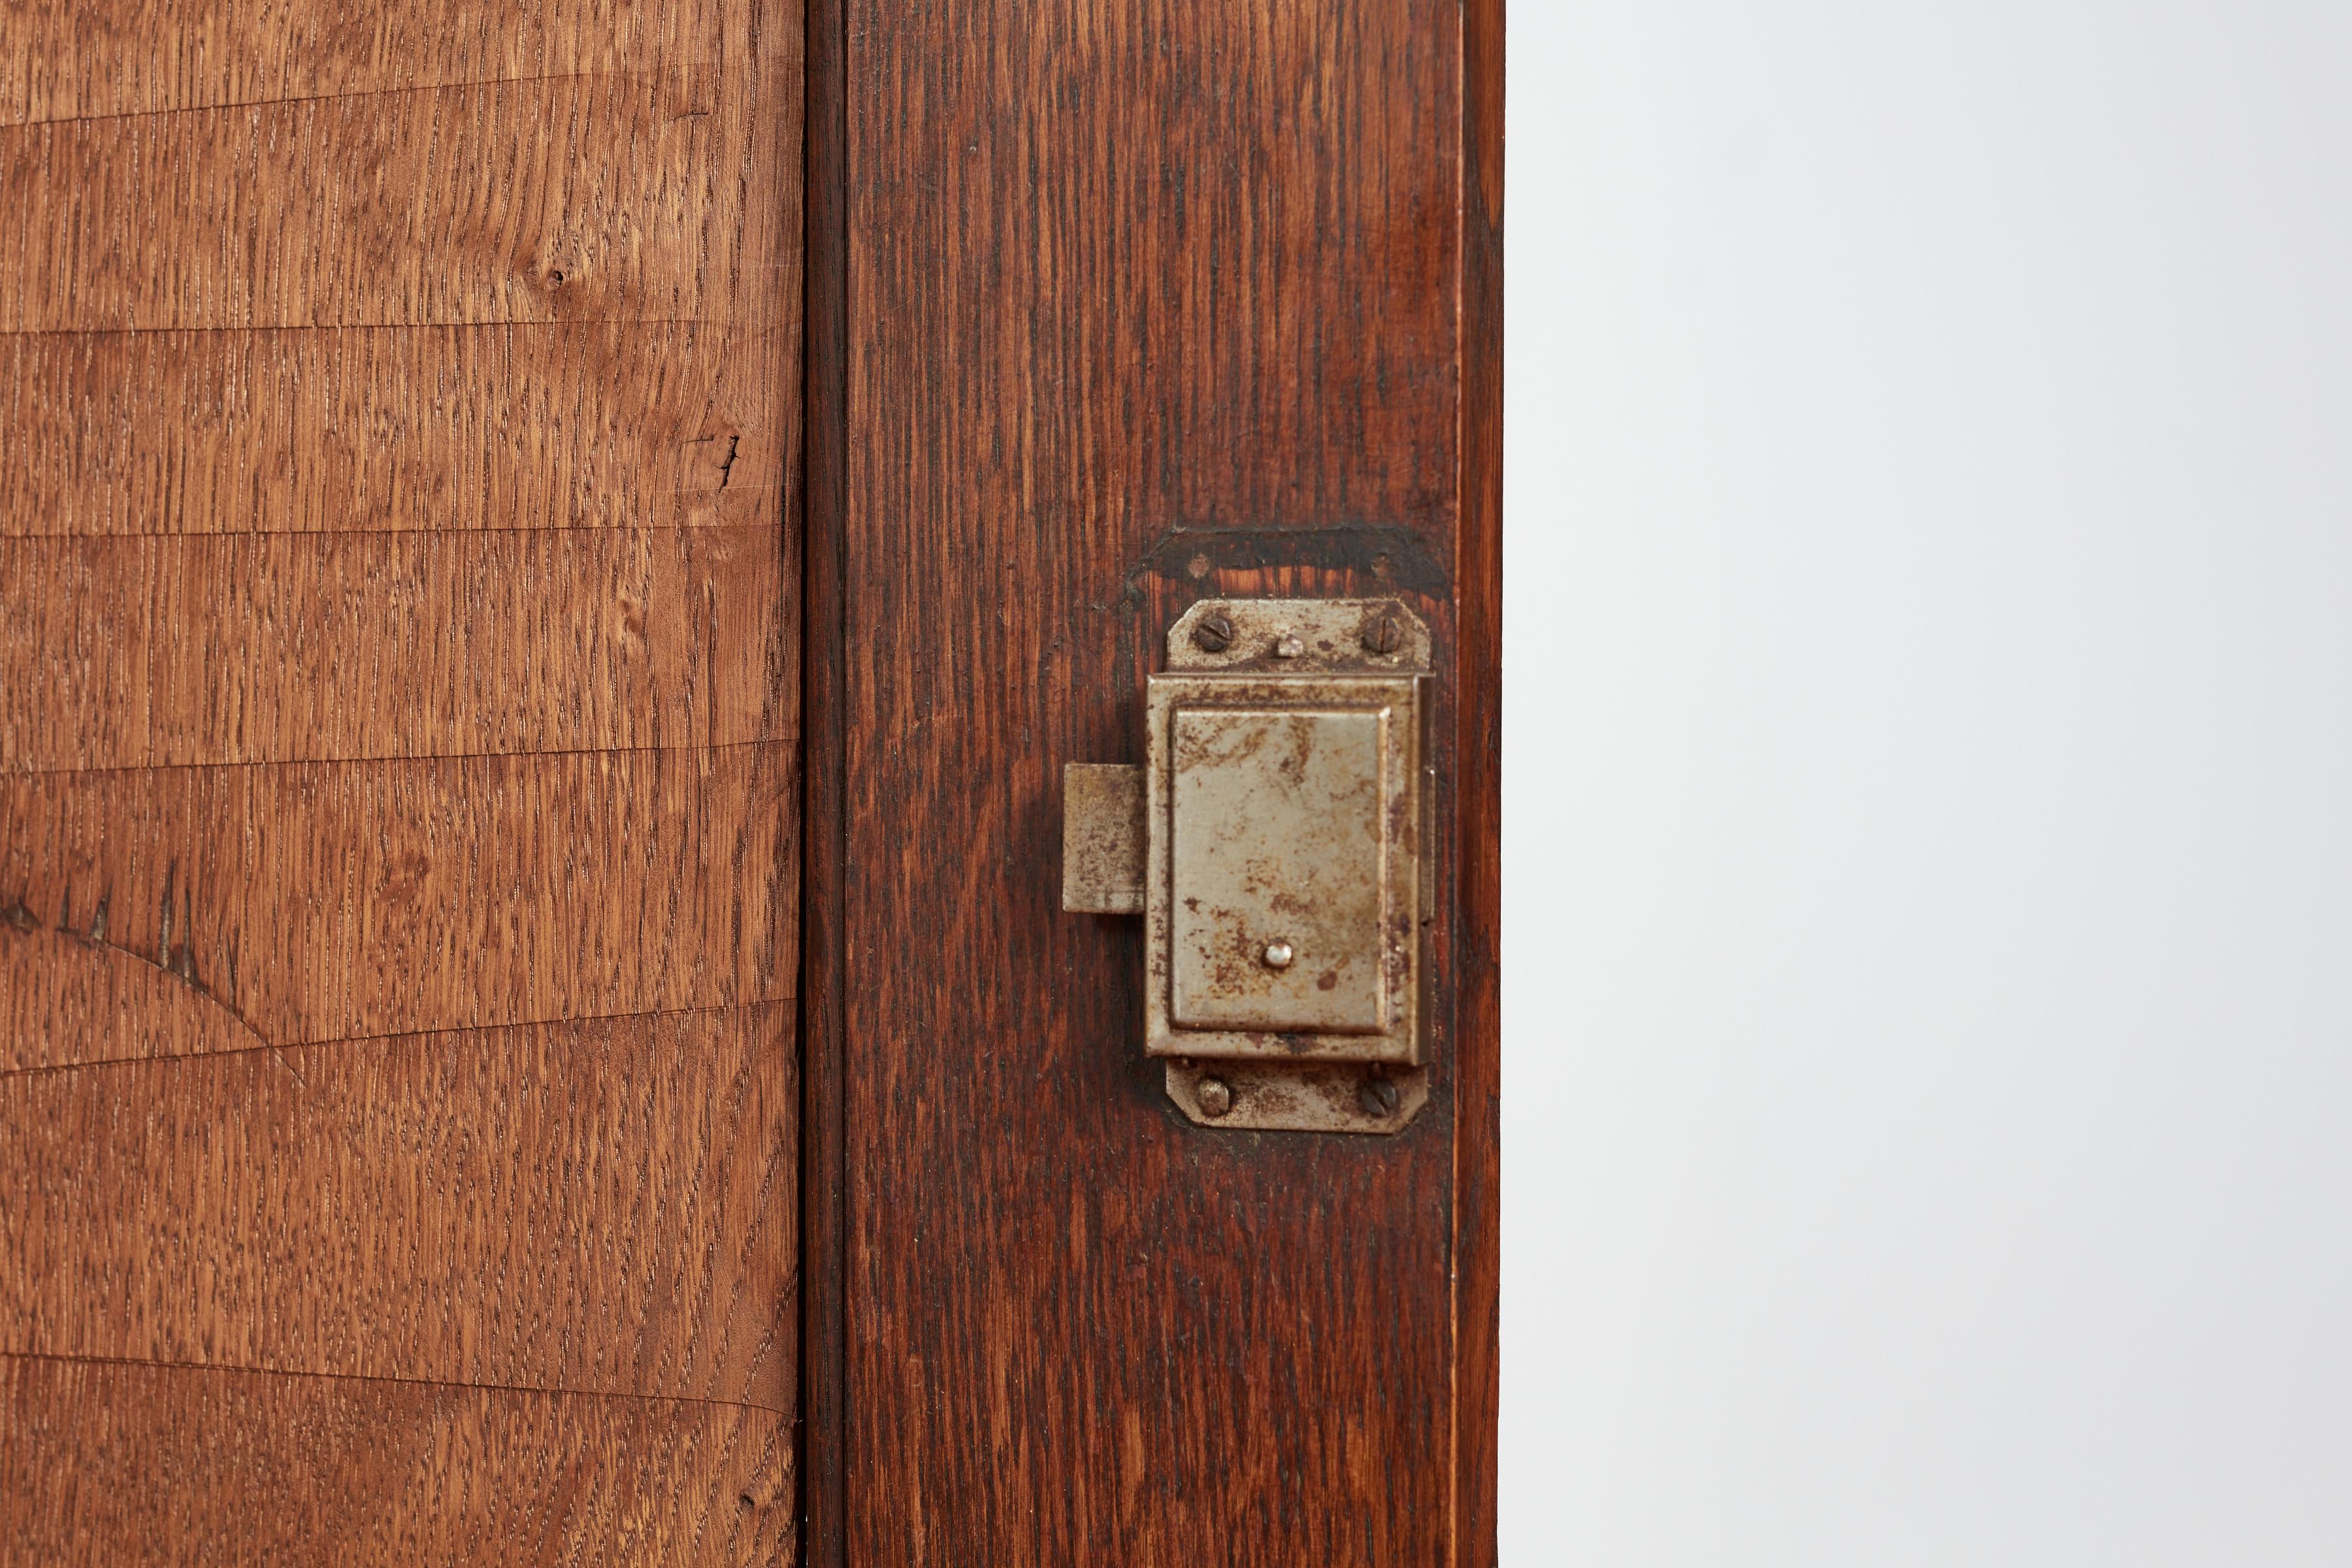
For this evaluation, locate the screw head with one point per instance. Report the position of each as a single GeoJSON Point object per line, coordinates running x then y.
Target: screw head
{"type": "Point", "coordinates": [1214, 633]}
{"type": "Point", "coordinates": [1278, 955]}
{"type": "Point", "coordinates": [1383, 633]}
{"type": "Point", "coordinates": [1381, 1097]}
{"type": "Point", "coordinates": [1216, 1097]}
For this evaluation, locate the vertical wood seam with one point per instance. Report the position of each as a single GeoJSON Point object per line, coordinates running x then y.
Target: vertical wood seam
{"type": "Point", "coordinates": [823, 1282]}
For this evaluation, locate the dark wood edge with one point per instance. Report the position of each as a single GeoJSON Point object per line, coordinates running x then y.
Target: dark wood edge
{"type": "Point", "coordinates": [820, 1449]}
{"type": "Point", "coordinates": [1479, 740]}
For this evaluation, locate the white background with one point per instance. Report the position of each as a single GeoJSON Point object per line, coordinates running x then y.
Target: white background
{"type": "Point", "coordinates": [1929, 822]}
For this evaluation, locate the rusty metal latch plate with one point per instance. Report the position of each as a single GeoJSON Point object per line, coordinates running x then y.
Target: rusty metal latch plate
{"type": "Point", "coordinates": [1274, 923]}
{"type": "Point", "coordinates": [1273, 840]}
{"type": "Point", "coordinates": [1275, 844]}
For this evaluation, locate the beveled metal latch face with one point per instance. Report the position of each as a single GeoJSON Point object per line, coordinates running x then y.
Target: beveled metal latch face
{"type": "Point", "coordinates": [1273, 842]}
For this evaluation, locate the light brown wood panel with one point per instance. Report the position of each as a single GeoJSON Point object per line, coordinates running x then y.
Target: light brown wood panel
{"type": "Point", "coordinates": [338, 900]}
{"type": "Point", "coordinates": [599, 197]}
{"type": "Point", "coordinates": [398, 832]}
{"type": "Point", "coordinates": [138, 652]}
{"type": "Point", "coordinates": [141, 1465]}
{"type": "Point", "coordinates": [70, 59]}
{"type": "Point", "coordinates": [535, 425]}
{"type": "Point", "coordinates": [601, 1206]}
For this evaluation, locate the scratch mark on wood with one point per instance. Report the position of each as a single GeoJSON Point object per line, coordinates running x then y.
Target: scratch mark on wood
{"type": "Point", "coordinates": [176, 960]}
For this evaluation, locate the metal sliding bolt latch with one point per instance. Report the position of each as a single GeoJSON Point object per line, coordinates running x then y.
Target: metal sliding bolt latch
{"type": "Point", "coordinates": [1273, 841]}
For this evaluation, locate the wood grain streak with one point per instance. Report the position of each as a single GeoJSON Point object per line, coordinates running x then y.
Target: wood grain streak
{"type": "Point", "coordinates": [68, 59]}
{"type": "Point", "coordinates": [594, 1208]}
{"type": "Point", "coordinates": [460, 204]}
{"type": "Point", "coordinates": [146, 652]}
{"type": "Point", "coordinates": [148, 1465]}
{"type": "Point", "coordinates": [542, 424]}
{"type": "Point", "coordinates": [327, 901]}
{"type": "Point", "coordinates": [1145, 303]}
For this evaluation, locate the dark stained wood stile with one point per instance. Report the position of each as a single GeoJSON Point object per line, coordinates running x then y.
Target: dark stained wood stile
{"type": "Point", "coordinates": [1136, 305]}
{"type": "Point", "coordinates": [399, 779]}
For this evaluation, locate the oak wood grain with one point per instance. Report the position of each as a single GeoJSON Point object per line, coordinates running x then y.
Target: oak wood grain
{"type": "Point", "coordinates": [313, 902]}
{"type": "Point", "coordinates": [532, 425]}
{"type": "Point", "coordinates": [189, 648]}
{"type": "Point", "coordinates": [70, 59]}
{"type": "Point", "coordinates": [597, 197]}
{"type": "Point", "coordinates": [164, 1465]}
{"type": "Point", "coordinates": [398, 845]}
{"type": "Point", "coordinates": [1142, 304]}
{"type": "Point", "coordinates": [599, 1207]}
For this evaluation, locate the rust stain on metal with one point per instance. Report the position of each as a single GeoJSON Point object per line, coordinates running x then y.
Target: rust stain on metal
{"type": "Point", "coordinates": [1282, 810]}
{"type": "Point", "coordinates": [1277, 844]}
{"type": "Point", "coordinates": [1280, 1097]}
{"type": "Point", "coordinates": [1323, 634]}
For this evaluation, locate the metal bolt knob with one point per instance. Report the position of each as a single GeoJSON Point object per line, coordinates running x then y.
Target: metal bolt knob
{"type": "Point", "coordinates": [1215, 1098]}
{"type": "Point", "coordinates": [1278, 955]}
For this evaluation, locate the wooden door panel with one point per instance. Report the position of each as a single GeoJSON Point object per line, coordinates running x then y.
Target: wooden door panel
{"type": "Point", "coordinates": [399, 949]}
{"type": "Point", "coordinates": [172, 1465]}
{"type": "Point", "coordinates": [398, 794]}
{"type": "Point", "coordinates": [585, 424]}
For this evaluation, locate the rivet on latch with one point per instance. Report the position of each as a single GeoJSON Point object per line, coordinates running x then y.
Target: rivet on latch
{"type": "Point", "coordinates": [1278, 955]}
{"type": "Point", "coordinates": [1214, 1097]}
{"type": "Point", "coordinates": [1379, 1097]}
{"type": "Point", "coordinates": [1288, 647]}
{"type": "Point", "coordinates": [1213, 633]}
